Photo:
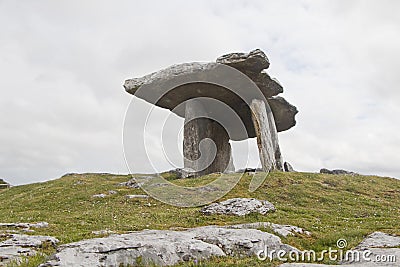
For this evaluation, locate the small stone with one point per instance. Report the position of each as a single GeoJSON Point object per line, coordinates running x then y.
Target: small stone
{"type": "Point", "coordinates": [131, 184]}
{"type": "Point", "coordinates": [99, 196]}
{"type": "Point", "coordinates": [287, 167]}
{"type": "Point", "coordinates": [183, 172]}
{"type": "Point", "coordinates": [136, 196]}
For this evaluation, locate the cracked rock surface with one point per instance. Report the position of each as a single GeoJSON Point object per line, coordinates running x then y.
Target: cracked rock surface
{"type": "Point", "coordinates": [165, 247]}
{"type": "Point", "coordinates": [15, 246]}
{"type": "Point", "coordinates": [382, 250]}
{"type": "Point", "coordinates": [239, 207]}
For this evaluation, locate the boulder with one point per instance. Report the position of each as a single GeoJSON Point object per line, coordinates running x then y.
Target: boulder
{"type": "Point", "coordinates": [165, 247]}
{"type": "Point", "coordinates": [239, 207]}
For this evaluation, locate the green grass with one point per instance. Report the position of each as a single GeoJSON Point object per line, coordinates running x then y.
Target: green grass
{"type": "Point", "coordinates": [330, 206]}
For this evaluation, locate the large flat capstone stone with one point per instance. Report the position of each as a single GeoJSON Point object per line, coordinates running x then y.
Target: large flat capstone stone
{"type": "Point", "coordinates": [235, 79]}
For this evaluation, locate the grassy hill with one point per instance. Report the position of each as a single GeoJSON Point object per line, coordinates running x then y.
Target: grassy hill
{"type": "Point", "coordinates": [330, 206]}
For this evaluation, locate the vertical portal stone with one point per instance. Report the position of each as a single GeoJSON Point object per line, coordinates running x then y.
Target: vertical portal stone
{"type": "Point", "coordinates": [206, 147]}
{"type": "Point", "coordinates": [267, 136]}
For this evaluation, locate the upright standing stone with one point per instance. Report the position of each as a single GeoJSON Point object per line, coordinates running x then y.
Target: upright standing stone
{"type": "Point", "coordinates": [267, 137]}
{"type": "Point", "coordinates": [202, 134]}
{"type": "Point", "coordinates": [274, 138]}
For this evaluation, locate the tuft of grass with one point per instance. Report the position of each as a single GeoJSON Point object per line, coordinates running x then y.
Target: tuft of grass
{"type": "Point", "coordinates": [330, 206]}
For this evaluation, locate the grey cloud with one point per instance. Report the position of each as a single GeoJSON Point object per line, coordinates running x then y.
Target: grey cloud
{"type": "Point", "coordinates": [63, 65]}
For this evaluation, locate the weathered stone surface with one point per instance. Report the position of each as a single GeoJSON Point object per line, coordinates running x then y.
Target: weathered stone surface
{"type": "Point", "coordinates": [380, 240]}
{"type": "Point", "coordinates": [26, 226]}
{"type": "Point", "coordinates": [269, 86]}
{"type": "Point", "coordinates": [287, 167]}
{"type": "Point", "coordinates": [206, 146]}
{"type": "Point", "coordinates": [378, 244]}
{"type": "Point", "coordinates": [267, 137]}
{"type": "Point", "coordinates": [165, 247]}
{"type": "Point", "coordinates": [239, 207]}
{"type": "Point", "coordinates": [16, 246]}
{"type": "Point", "coordinates": [103, 232]}
{"type": "Point", "coordinates": [132, 183]}
{"type": "Point", "coordinates": [255, 60]}
{"type": "Point", "coordinates": [239, 242]}
{"type": "Point", "coordinates": [158, 84]}
{"type": "Point", "coordinates": [337, 172]}
{"type": "Point", "coordinates": [283, 230]}
{"type": "Point", "coordinates": [284, 113]}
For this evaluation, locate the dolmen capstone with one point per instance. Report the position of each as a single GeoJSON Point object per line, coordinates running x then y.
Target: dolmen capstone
{"type": "Point", "coordinates": [233, 98]}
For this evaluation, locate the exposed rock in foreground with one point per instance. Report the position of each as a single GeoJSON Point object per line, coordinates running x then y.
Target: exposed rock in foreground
{"type": "Point", "coordinates": [377, 245]}
{"type": "Point", "coordinates": [239, 207]}
{"type": "Point", "coordinates": [283, 230]}
{"type": "Point", "coordinates": [380, 240]}
{"type": "Point", "coordinates": [165, 247]}
{"type": "Point", "coordinates": [15, 246]}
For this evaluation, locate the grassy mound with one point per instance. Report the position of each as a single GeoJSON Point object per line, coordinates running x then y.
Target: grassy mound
{"type": "Point", "coordinates": [330, 206]}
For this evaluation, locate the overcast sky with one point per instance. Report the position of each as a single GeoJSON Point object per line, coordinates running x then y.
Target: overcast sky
{"type": "Point", "coordinates": [63, 63]}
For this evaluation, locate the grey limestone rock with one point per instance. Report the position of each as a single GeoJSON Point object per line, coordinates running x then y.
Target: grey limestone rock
{"type": "Point", "coordinates": [239, 207]}
{"type": "Point", "coordinates": [255, 60]}
{"type": "Point", "coordinates": [165, 247]}
{"type": "Point", "coordinates": [378, 245]}
{"type": "Point", "coordinates": [283, 230]}
{"type": "Point", "coordinates": [132, 183]}
{"type": "Point", "coordinates": [379, 240]}
{"type": "Point", "coordinates": [337, 172]}
{"type": "Point", "coordinates": [16, 246]}
{"type": "Point", "coordinates": [155, 89]}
